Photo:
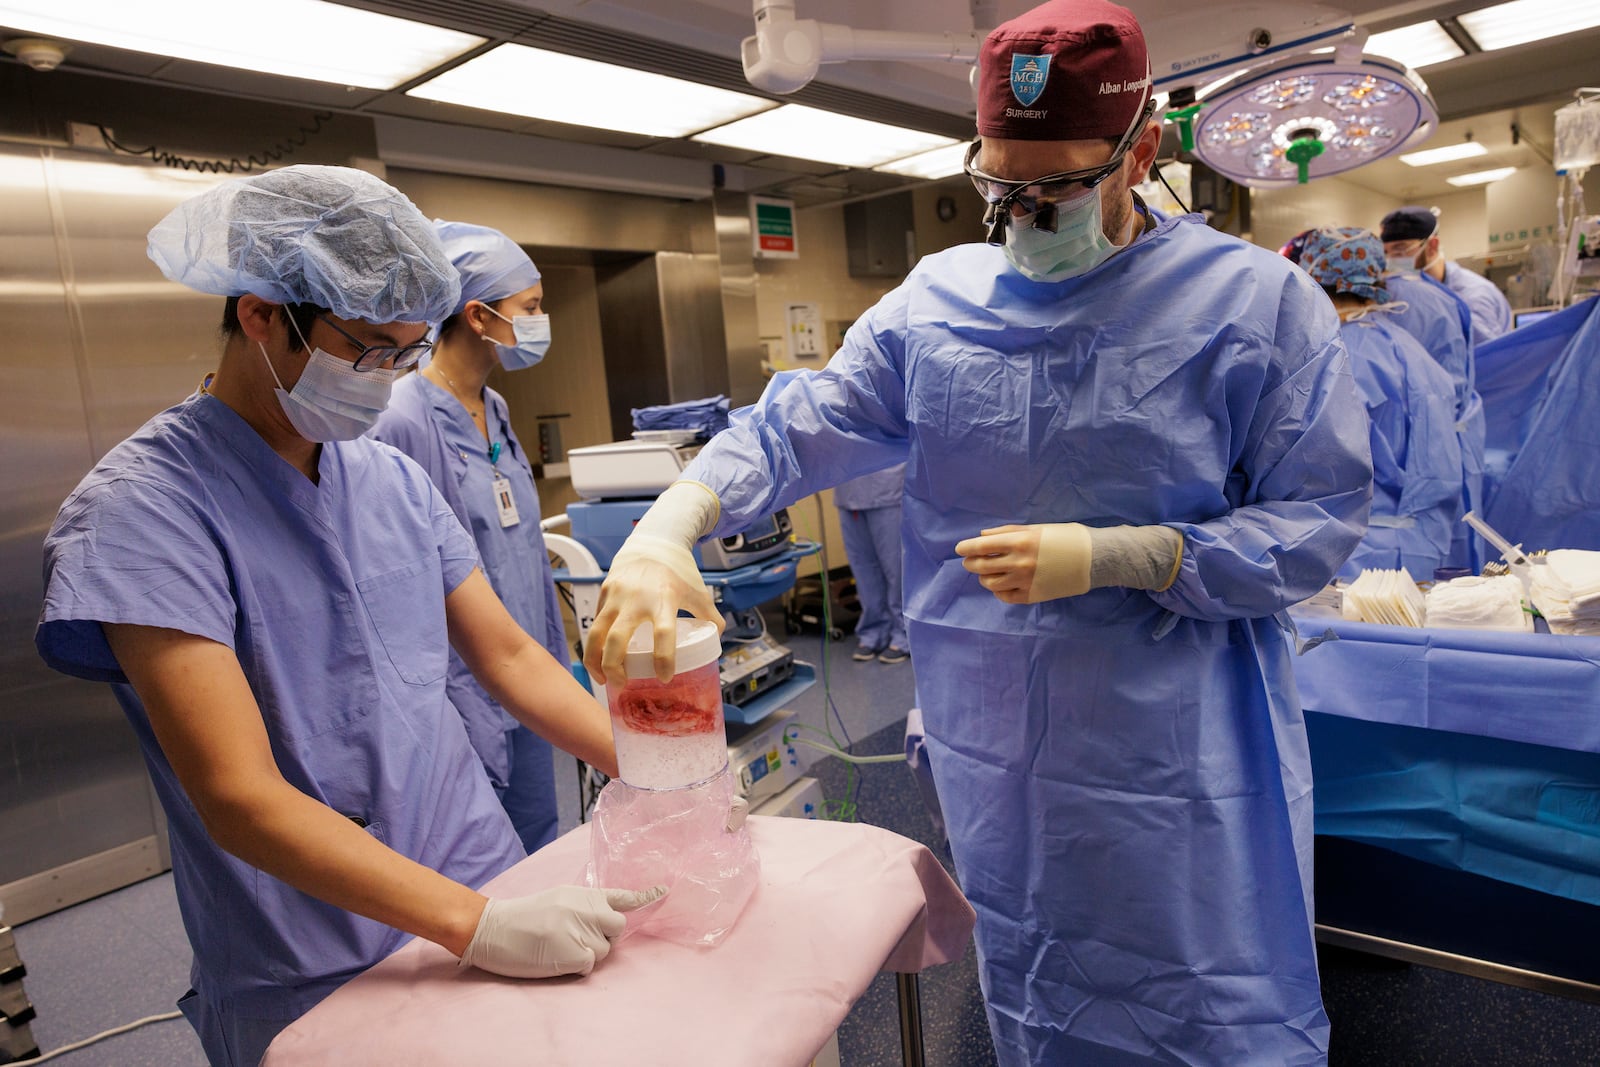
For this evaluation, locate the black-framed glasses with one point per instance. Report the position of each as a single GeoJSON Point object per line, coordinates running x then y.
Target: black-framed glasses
{"type": "Point", "coordinates": [374, 356]}
{"type": "Point", "coordinates": [1037, 197]}
{"type": "Point", "coordinates": [1029, 195]}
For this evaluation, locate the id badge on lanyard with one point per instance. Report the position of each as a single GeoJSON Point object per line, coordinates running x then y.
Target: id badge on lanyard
{"type": "Point", "coordinates": [504, 501]}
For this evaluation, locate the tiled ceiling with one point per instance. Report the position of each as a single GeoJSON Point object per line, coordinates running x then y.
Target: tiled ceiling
{"type": "Point", "coordinates": [699, 40]}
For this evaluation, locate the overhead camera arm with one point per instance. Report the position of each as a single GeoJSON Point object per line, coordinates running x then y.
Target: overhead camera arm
{"type": "Point", "coordinates": [785, 52]}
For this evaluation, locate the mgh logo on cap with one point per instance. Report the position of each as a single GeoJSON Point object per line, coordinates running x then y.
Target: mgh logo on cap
{"type": "Point", "coordinates": [1028, 75]}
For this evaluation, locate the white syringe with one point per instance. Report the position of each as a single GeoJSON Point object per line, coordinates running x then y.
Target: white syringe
{"type": "Point", "coordinates": [1516, 559]}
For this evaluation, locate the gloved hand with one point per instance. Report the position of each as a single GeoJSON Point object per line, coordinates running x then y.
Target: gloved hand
{"type": "Point", "coordinates": [559, 931]}
{"type": "Point", "coordinates": [651, 577]}
{"type": "Point", "coordinates": [736, 813]}
{"type": "Point", "coordinates": [1029, 564]}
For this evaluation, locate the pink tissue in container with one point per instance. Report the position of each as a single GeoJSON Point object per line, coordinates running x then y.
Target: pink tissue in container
{"type": "Point", "coordinates": [670, 734]}
{"type": "Point", "coordinates": [664, 820]}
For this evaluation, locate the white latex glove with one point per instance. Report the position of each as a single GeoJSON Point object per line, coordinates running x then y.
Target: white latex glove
{"type": "Point", "coordinates": [736, 813]}
{"type": "Point", "coordinates": [564, 930]}
{"type": "Point", "coordinates": [652, 576]}
{"type": "Point", "coordinates": [1029, 564]}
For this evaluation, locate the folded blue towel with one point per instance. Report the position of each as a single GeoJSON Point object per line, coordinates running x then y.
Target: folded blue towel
{"type": "Point", "coordinates": [707, 416]}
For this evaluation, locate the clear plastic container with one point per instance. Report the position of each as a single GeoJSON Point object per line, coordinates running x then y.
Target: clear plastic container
{"type": "Point", "coordinates": [670, 735]}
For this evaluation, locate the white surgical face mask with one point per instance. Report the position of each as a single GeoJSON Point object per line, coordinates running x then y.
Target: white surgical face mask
{"type": "Point", "coordinates": [1078, 245]}
{"type": "Point", "coordinates": [332, 401]}
{"type": "Point", "coordinates": [533, 340]}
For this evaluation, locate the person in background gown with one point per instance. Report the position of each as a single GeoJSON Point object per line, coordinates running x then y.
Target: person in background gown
{"type": "Point", "coordinates": [447, 418]}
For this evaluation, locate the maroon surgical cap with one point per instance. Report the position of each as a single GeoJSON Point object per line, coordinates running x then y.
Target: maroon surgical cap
{"type": "Point", "coordinates": [1068, 70]}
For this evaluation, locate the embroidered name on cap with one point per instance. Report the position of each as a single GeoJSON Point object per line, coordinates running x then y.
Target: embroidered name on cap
{"type": "Point", "coordinates": [1114, 87]}
{"type": "Point", "coordinates": [1028, 75]}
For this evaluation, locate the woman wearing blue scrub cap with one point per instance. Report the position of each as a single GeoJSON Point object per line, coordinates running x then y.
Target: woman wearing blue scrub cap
{"type": "Point", "coordinates": [1417, 471]}
{"type": "Point", "coordinates": [447, 419]}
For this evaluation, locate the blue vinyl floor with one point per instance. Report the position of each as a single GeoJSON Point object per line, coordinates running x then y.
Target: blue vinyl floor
{"type": "Point", "coordinates": [124, 956]}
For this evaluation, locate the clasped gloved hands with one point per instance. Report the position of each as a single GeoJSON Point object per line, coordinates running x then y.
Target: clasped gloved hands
{"type": "Point", "coordinates": [653, 575]}
{"type": "Point", "coordinates": [1047, 561]}
{"type": "Point", "coordinates": [564, 930]}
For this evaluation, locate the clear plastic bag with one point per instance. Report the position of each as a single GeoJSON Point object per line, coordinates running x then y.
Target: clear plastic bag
{"type": "Point", "coordinates": [677, 838]}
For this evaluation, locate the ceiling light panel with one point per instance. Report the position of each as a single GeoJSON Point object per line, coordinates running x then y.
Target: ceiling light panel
{"type": "Point", "coordinates": [1448, 154]}
{"type": "Point", "coordinates": [825, 137]}
{"type": "Point", "coordinates": [940, 163]}
{"type": "Point", "coordinates": [1522, 21]}
{"type": "Point", "coordinates": [517, 80]}
{"type": "Point", "coordinates": [1421, 45]}
{"type": "Point", "coordinates": [294, 38]}
{"type": "Point", "coordinates": [1482, 177]}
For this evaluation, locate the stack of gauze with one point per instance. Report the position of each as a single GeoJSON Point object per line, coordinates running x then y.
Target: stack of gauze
{"type": "Point", "coordinates": [1388, 597]}
{"type": "Point", "coordinates": [1479, 604]}
{"type": "Point", "coordinates": [1566, 590]}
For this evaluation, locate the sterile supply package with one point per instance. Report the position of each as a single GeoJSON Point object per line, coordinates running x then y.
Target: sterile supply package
{"type": "Point", "coordinates": [677, 838]}
{"type": "Point", "coordinates": [1476, 603]}
{"type": "Point", "coordinates": [1388, 597]}
{"type": "Point", "coordinates": [1566, 590]}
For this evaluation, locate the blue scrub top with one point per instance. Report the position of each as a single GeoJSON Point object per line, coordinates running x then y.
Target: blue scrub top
{"type": "Point", "coordinates": [1416, 449]}
{"type": "Point", "coordinates": [1491, 311]}
{"type": "Point", "coordinates": [332, 597]}
{"type": "Point", "coordinates": [881, 489]}
{"type": "Point", "coordinates": [1442, 321]}
{"type": "Point", "coordinates": [429, 425]}
{"type": "Point", "coordinates": [1124, 774]}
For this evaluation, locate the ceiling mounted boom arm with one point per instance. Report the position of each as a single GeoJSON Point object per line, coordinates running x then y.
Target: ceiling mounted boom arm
{"type": "Point", "coordinates": [785, 52]}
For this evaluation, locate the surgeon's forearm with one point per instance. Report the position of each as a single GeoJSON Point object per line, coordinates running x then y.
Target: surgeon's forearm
{"type": "Point", "coordinates": [543, 695]}
{"type": "Point", "coordinates": [306, 844]}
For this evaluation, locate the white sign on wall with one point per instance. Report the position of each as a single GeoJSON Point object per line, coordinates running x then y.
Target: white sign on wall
{"type": "Point", "coordinates": [803, 332]}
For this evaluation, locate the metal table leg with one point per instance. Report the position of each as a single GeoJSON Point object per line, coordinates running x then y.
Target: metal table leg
{"type": "Point", "coordinates": [910, 1019]}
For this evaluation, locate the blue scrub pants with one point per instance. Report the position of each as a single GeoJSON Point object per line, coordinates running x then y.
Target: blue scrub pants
{"type": "Point", "coordinates": [872, 543]}
{"type": "Point", "coordinates": [530, 797]}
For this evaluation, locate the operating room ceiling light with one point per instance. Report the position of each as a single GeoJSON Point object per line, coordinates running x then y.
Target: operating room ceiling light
{"type": "Point", "coordinates": [294, 38]}
{"type": "Point", "coordinates": [1522, 21]}
{"type": "Point", "coordinates": [824, 137]}
{"type": "Point", "coordinates": [1450, 153]}
{"type": "Point", "coordinates": [1482, 177]}
{"type": "Point", "coordinates": [1421, 45]}
{"type": "Point", "coordinates": [940, 163]}
{"type": "Point", "coordinates": [517, 80]}
{"type": "Point", "coordinates": [1311, 117]}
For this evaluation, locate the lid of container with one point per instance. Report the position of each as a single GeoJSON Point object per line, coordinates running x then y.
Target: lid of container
{"type": "Point", "coordinates": [699, 643]}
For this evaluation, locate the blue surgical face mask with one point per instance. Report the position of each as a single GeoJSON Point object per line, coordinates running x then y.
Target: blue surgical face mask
{"type": "Point", "coordinates": [332, 401]}
{"type": "Point", "coordinates": [533, 340]}
{"type": "Point", "coordinates": [1078, 245]}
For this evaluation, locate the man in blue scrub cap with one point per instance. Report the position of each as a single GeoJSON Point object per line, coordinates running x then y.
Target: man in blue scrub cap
{"type": "Point", "coordinates": [273, 598]}
{"type": "Point", "coordinates": [448, 419]}
{"type": "Point", "coordinates": [1410, 400]}
{"type": "Point", "coordinates": [1411, 235]}
{"type": "Point", "coordinates": [1131, 442]}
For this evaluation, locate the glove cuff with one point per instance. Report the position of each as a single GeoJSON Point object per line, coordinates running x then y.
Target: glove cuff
{"type": "Point", "coordinates": [1063, 566]}
{"type": "Point", "coordinates": [686, 512]}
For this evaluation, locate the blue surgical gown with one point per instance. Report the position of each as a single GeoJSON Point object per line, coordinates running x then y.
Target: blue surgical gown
{"type": "Point", "coordinates": [429, 425]}
{"type": "Point", "coordinates": [332, 597]}
{"type": "Point", "coordinates": [1443, 323]}
{"type": "Point", "coordinates": [1546, 380]}
{"type": "Point", "coordinates": [1416, 449]}
{"type": "Point", "coordinates": [1124, 774]}
{"type": "Point", "coordinates": [1491, 311]}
